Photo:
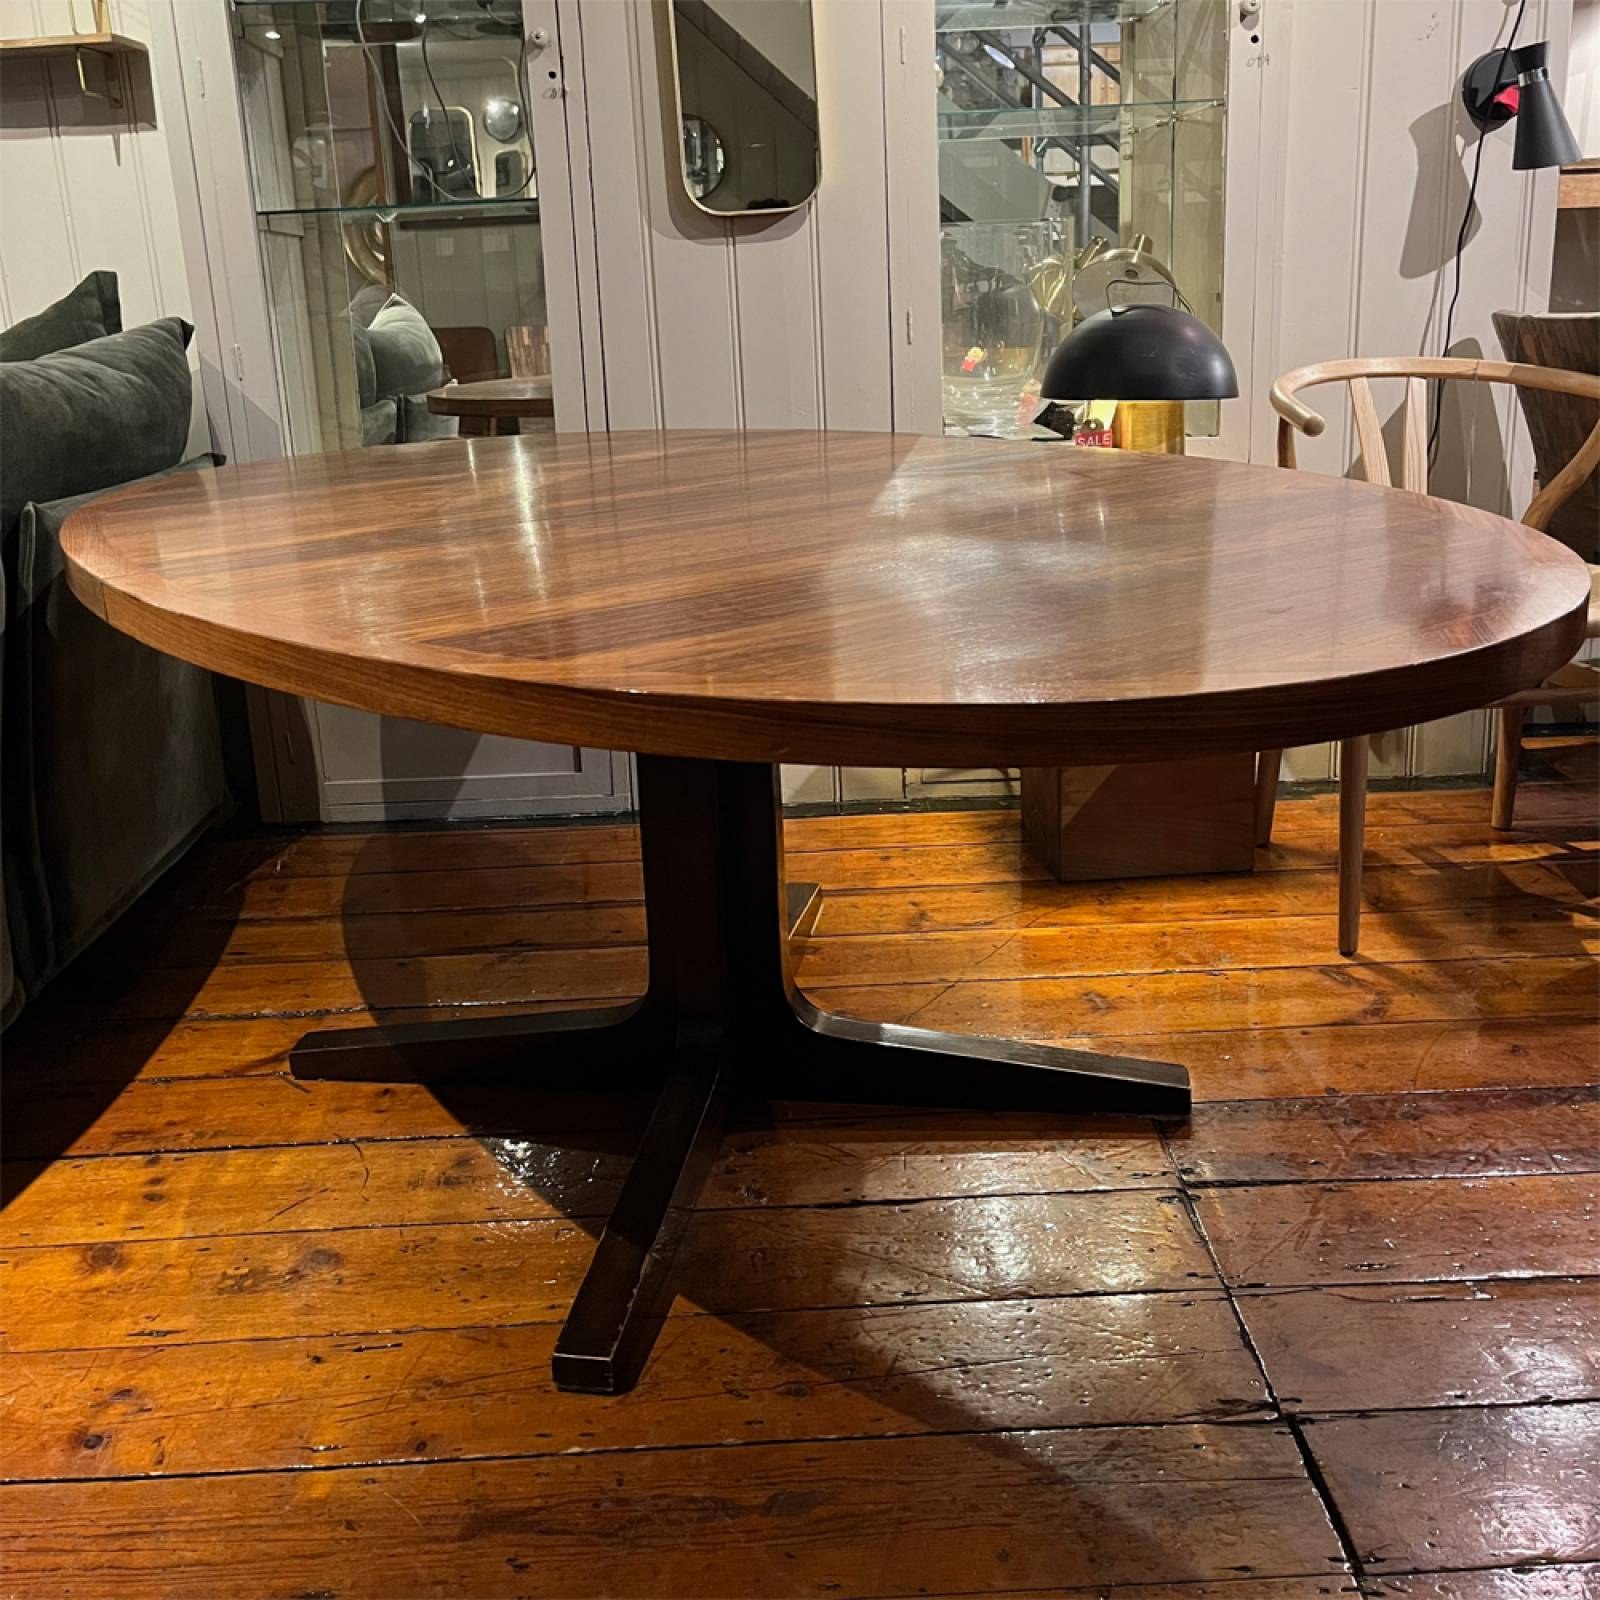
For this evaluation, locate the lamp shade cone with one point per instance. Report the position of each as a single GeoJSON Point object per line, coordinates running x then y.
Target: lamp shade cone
{"type": "Point", "coordinates": [1140, 352]}
{"type": "Point", "coordinates": [1544, 137]}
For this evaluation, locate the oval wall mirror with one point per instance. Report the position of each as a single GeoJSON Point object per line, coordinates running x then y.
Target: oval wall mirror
{"type": "Point", "coordinates": [745, 77]}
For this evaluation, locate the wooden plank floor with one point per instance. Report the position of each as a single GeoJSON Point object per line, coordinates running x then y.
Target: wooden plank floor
{"type": "Point", "coordinates": [1340, 1333]}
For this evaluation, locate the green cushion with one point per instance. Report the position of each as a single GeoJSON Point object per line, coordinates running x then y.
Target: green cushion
{"type": "Point", "coordinates": [113, 757]}
{"type": "Point", "coordinates": [379, 421]}
{"type": "Point", "coordinates": [105, 412]}
{"type": "Point", "coordinates": [90, 311]}
{"type": "Point", "coordinates": [366, 366]}
{"type": "Point", "coordinates": [405, 354]}
{"type": "Point", "coordinates": [417, 423]}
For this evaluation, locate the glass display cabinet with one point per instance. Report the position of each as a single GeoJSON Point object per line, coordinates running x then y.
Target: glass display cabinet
{"type": "Point", "coordinates": [366, 226]}
{"type": "Point", "coordinates": [396, 194]}
{"type": "Point", "coordinates": [1081, 160]}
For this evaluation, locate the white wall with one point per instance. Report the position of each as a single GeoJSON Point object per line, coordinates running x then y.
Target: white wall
{"type": "Point", "coordinates": [84, 188]}
{"type": "Point", "coordinates": [1581, 97]}
{"type": "Point", "coordinates": [741, 322]}
{"type": "Point", "coordinates": [1376, 156]}
{"type": "Point", "coordinates": [1575, 275]}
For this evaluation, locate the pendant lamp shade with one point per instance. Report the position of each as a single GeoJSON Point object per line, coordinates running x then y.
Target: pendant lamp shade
{"type": "Point", "coordinates": [1140, 352]}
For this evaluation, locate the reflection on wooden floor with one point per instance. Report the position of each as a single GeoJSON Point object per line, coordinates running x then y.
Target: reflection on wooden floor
{"type": "Point", "coordinates": [268, 1339]}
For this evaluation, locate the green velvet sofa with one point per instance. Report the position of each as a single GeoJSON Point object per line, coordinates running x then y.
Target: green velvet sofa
{"type": "Point", "coordinates": [111, 758]}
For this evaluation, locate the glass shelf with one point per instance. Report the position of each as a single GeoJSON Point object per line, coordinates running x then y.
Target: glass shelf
{"type": "Point", "coordinates": [384, 13]}
{"type": "Point", "coordinates": [440, 210]}
{"type": "Point", "coordinates": [1043, 122]}
{"type": "Point", "coordinates": [967, 16]}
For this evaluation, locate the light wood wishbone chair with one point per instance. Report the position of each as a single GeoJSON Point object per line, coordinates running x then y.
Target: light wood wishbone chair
{"type": "Point", "coordinates": [1574, 684]}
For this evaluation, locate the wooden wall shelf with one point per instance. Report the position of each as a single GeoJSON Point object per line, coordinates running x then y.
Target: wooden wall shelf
{"type": "Point", "coordinates": [1580, 186]}
{"type": "Point", "coordinates": [112, 51]}
{"type": "Point", "coordinates": [63, 44]}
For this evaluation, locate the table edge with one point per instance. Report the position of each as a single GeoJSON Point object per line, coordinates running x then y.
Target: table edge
{"type": "Point", "coordinates": [972, 733]}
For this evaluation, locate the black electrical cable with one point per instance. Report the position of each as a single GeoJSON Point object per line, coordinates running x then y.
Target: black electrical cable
{"type": "Point", "coordinates": [449, 127]}
{"type": "Point", "coordinates": [404, 143]}
{"type": "Point", "coordinates": [1461, 244]}
{"type": "Point", "coordinates": [383, 100]}
{"type": "Point", "coordinates": [438, 94]}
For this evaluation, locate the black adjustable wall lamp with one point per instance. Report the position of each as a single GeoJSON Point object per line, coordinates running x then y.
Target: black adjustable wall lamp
{"type": "Point", "coordinates": [1513, 81]}
{"type": "Point", "coordinates": [1503, 84]}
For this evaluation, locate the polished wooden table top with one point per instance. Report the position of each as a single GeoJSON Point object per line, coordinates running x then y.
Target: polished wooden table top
{"type": "Point", "coordinates": [495, 397]}
{"type": "Point", "coordinates": [867, 598]}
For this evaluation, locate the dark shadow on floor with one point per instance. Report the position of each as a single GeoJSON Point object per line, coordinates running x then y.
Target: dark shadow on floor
{"type": "Point", "coordinates": [83, 1041]}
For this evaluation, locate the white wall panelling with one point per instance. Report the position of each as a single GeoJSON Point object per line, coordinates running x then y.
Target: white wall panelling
{"type": "Point", "coordinates": [566, 223]}
{"type": "Point", "coordinates": [85, 186]}
{"type": "Point", "coordinates": [757, 321]}
{"type": "Point", "coordinates": [1374, 160]}
{"type": "Point", "coordinates": [1582, 95]}
{"type": "Point", "coordinates": [912, 185]}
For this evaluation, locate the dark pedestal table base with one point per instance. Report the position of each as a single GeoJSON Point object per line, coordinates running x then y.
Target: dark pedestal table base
{"type": "Point", "coordinates": [721, 1017]}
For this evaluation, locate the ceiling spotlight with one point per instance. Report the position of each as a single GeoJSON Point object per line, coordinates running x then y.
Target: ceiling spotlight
{"type": "Point", "coordinates": [272, 33]}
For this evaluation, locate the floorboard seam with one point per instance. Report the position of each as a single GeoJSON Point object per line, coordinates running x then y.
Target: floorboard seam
{"type": "Point", "coordinates": [1342, 1181]}
{"type": "Point", "coordinates": [1205, 1290]}
{"type": "Point", "coordinates": [1313, 1472]}
{"type": "Point", "coordinates": [1319, 1483]}
{"type": "Point", "coordinates": [800, 1442]}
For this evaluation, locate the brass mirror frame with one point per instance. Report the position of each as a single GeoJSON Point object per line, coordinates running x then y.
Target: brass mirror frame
{"type": "Point", "coordinates": [676, 143]}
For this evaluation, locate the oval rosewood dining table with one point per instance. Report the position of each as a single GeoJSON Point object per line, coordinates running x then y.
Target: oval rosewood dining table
{"type": "Point", "coordinates": [722, 602]}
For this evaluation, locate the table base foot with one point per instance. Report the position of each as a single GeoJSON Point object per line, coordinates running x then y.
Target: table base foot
{"type": "Point", "coordinates": [627, 1291]}
{"type": "Point", "coordinates": [721, 1019]}
{"type": "Point", "coordinates": [476, 1050]}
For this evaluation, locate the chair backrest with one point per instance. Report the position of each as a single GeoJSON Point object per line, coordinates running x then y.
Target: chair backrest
{"type": "Point", "coordinates": [1293, 413]}
{"type": "Point", "coordinates": [470, 353]}
{"type": "Point", "coordinates": [528, 350]}
{"type": "Point", "coordinates": [1557, 423]}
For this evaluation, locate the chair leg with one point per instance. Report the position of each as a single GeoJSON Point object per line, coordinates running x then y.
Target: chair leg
{"type": "Point", "coordinates": [1506, 754]}
{"type": "Point", "coordinates": [1353, 754]}
{"type": "Point", "coordinates": [1268, 764]}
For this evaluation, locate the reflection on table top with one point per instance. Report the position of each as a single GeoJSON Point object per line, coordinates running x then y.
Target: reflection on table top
{"type": "Point", "coordinates": [836, 597]}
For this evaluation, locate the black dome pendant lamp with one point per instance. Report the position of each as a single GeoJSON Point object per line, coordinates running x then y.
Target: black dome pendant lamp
{"type": "Point", "coordinates": [1142, 352]}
